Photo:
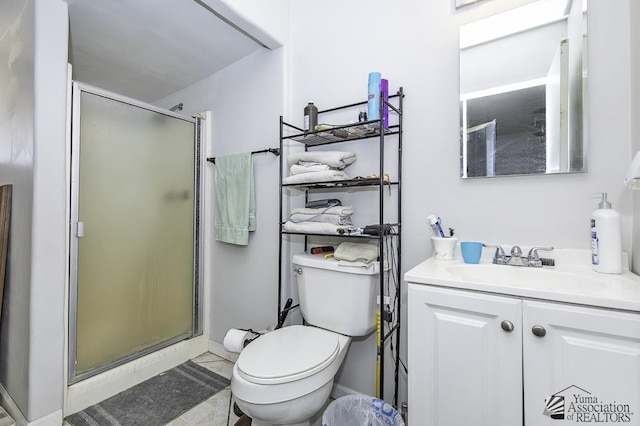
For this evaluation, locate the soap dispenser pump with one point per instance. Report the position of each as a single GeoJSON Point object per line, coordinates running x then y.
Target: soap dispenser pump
{"type": "Point", "coordinates": [606, 240]}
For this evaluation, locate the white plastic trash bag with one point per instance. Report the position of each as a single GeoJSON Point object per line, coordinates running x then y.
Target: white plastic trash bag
{"type": "Point", "coordinates": [361, 410]}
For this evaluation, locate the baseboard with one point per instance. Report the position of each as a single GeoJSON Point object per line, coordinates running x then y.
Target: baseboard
{"type": "Point", "coordinates": [105, 385]}
{"type": "Point", "coordinates": [217, 349]}
{"type": "Point", "coordinates": [53, 419]}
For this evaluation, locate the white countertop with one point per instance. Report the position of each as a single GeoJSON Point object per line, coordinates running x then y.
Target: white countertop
{"type": "Point", "coordinates": [572, 280]}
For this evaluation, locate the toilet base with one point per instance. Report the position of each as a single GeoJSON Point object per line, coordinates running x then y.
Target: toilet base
{"type": "Point", "coordinates": [316, 420]}
{"type": "Point", "coordinates": [303, 411]}
{"type": "Point", "coordinates": [259, 423]}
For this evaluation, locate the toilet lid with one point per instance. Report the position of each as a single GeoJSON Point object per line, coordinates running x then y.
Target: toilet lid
{"type": "Point", "coordinates": [288, 354]}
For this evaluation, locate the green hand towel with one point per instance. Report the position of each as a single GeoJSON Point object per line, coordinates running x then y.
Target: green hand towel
{"type": "Point", "coordinates": [235, 198]}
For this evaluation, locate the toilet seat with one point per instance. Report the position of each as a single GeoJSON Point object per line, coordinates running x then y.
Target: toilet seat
{"type": "Point", "coordinates": [288, 354]}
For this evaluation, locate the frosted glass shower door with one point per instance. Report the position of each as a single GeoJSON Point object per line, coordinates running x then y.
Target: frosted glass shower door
{"type": "Point", "coordinates": [133, 209]}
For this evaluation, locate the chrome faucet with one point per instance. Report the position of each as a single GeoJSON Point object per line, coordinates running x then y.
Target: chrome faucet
{"type": "Point", "coordinates": [516, 259]}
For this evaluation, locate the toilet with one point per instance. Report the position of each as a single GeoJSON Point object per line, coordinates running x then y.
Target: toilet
{"type": "Point", "coordinates": [285, 376]}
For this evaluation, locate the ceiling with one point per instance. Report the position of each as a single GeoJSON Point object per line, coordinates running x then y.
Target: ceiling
{"type": "Point", "coordinates": [148, 49]}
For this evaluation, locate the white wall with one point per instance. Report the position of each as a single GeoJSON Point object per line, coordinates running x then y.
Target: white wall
{"type": "Point", "coordinates": [32, 151]}
{"type": "Point", "coordinates": [420, 53]}
{"type": "Point", "coordinates": [272, 16]}
{"type": "Point", "coordinates": [49, 223]}
{"type": "Point", "coordinates": [16, 154]}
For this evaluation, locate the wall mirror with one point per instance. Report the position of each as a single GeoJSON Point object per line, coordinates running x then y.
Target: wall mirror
{"type": "Point", "coordinates": [522, 91]}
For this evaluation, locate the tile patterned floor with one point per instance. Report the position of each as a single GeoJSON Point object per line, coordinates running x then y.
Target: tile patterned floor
{"type": "Point", "coordinates": [215, 411]}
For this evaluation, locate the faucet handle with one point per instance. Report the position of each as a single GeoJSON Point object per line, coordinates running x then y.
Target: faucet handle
{"type": "Point", "coordinates": [499, 256]}
{"type": "Point", "coordinates": [516, 251]}
{"type": "Point", "coordinates": [533, 253]}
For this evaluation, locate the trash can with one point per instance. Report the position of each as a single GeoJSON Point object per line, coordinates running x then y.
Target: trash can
{"type": "Point", "coordinates": [357, 410]}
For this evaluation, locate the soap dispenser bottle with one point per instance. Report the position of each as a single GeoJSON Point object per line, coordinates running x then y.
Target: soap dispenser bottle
{"type": "Point", "coordinates": [606, 240]}
{"type": "Point", "coordinates": [310, 117]}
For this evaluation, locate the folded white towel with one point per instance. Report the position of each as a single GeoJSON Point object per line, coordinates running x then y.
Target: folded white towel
{"type": "Point", "coordinates": [335, 210]}
{"type": "Point", "coordinates": [296, 169]}
{"type": "Point", "coordinates": [315, 228]}
{"type": "Point", "coordinates": [324, 176]}
{"type": "Point", "coordinates": [356, 253]}
{"type": "Point", "coordinates": [320, 217]}
{"type": "Point", "coordinates": [335, 159]}
{"type": "Point", "coordinates": [356, 264]}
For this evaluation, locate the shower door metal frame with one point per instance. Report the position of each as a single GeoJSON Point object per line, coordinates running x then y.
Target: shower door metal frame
{"type": "Point", "coordinates": [198, 291]}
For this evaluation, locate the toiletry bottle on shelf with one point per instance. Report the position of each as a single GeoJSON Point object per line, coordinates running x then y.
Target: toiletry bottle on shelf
{"type": "Point", "coordinates": [606, 241]}
{"type": "Point", "coordinates": [310, 117]}
{"type": "Point", "coordinates": [384, 89]}
{"type": "Point", "coordinates": [373, 100]}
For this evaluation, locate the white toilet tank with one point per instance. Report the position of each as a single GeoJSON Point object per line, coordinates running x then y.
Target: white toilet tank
{"type": "Point", "coordinates": [337, 298]}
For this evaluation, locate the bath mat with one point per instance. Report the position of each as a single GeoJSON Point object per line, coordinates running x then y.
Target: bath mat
{"type": "Point", "coordinates": [156, 401]}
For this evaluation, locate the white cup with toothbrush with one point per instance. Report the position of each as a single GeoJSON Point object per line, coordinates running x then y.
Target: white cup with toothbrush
{"type": "Point", "coordinates": [443, 247]}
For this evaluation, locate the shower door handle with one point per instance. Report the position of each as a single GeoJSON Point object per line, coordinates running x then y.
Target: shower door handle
{"type": "Point", "coordinates": [79, 229]}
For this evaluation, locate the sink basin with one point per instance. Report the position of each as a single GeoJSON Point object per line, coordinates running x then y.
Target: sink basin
{"type": "Point", "coordinates": [533, 278]}
{"type": "Point", "coordinates": [572, 280]}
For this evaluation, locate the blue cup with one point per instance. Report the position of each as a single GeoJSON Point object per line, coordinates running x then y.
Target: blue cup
{"type": "Point", "coordinates": [471, 251]}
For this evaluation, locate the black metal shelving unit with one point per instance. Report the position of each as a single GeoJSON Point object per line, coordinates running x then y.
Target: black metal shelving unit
{"type": "Point", "coordinates": [369, 130]}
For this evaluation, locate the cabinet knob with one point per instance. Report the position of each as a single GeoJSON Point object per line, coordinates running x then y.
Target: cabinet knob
{"type": "Point", "coordinates": [538, 330]}
{"type": "Point", "coordinates": [507, 326]}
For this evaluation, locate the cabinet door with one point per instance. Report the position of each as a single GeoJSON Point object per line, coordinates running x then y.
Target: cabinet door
{"type": "Point", "coordinates": [586, 367]}
{"type": "Point", "coordinates": [464, 368]}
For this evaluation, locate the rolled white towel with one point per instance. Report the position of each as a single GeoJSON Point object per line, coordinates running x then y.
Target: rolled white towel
{"type": "Point", "coordinates": [335, 159]}
{"type": "Point", "coordinates": [324, 176]}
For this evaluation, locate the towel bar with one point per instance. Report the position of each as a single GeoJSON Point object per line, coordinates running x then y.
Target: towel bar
{"type": "Point", "coordinates": [274, 151]}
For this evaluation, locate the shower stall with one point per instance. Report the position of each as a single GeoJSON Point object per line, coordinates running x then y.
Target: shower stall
{"type": "Point", "coordinates": [135, 244]}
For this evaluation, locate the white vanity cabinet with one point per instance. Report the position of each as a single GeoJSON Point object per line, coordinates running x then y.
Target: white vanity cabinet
{"type": "Point", "coordinates": [474, 360]}
{"type": "Point", "coordinates": [590, 357]}
{"type": "Point", "coordinates": [464, 368]}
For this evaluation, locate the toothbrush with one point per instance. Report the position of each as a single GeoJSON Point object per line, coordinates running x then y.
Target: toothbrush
{"type": "Point", "coordinates": [435, 225]}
